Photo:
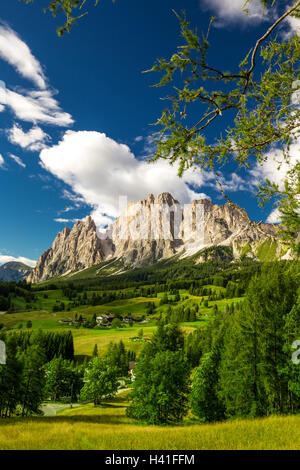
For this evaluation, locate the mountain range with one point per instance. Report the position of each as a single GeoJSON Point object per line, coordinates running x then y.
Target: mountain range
{"type": "Point", "coordinates": [14, 271]}
{"type": "Point", "coordinates": [157, 228]}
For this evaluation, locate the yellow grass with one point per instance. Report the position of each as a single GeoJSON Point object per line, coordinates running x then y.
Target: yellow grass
{"type": "Point", "coordinates": [107, 427]}
{"type": "Point", "coordinates": [85, 339]}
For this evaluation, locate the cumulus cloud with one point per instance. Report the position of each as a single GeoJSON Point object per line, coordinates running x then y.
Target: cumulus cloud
{"type": "Point", "coordinates": [232, 10]}
{"type": "Point", "coordinates": [16, 52]}
{"type": "Point", "coordinates": [17, 160]}
{"type": "Point", "coordinates": [36, 107]}
{"type": "Point", "coordinates": [274, 217]}
{"type": "Point", "coordinates": [20, 259]}
{"type": "Point", "coordinates": [100, 170]}
{"type": "Point", "coordinates": [275, 166]}
{"type": "Point", "coordinates": [232, 183]}
{"type": "Point", "coordinates": [293, 27]}
{"type": "Point", "coordinates": [35, 139]}
{"type": "Point", "coordinates": [1, 161]}
{"type": "Point", "coordinates": [275, 169]}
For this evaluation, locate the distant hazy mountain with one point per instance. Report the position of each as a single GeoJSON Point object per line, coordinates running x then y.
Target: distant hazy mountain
{"type": "Point", "coordinates": [129, 238]}
{"type": "Point", "coordinates": [14, 271]}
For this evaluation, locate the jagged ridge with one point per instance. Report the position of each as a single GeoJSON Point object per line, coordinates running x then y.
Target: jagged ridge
{"type": "Point", "coordinates": [138, 238]}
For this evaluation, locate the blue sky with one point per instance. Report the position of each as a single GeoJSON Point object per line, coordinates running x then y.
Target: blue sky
{"type": "Point", "coordinates": [76, 113]}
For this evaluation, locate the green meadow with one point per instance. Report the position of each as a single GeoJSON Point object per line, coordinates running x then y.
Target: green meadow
{"type": "Point", "coordinates": [85, 339]}
{"type": "Point", "coordinates": [106, 427]}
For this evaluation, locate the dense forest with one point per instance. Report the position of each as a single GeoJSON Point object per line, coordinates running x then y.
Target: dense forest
{"type": "Point", "coordinates": [238, 363]}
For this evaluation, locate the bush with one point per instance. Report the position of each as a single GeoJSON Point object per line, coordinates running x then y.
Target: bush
{"type": "Point", "coordinates": [116, 323]}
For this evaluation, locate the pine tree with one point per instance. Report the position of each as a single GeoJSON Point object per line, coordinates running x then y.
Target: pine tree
{"type": "Point", "coordinates": [291, 371]}
{"type": "Point", "coordinates": [95, 351]}
{"type": "Point", "coordinates": [33, 380]}
{"type": "Point", "coordinates": [204, 396]}
{"type": "Point", "coordinates": [161, 386]}
{"type": "Point", "coordinates": [10, 379]}
{"type": "Point", "coordinates": [241, 385]}
{"type": "Point", "coordinates": [166, 338]}
{"type": "Point", "coordinates": [272, 296]}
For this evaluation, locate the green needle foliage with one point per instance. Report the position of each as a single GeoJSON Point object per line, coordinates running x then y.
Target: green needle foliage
{"type": "Point", "coordinates": [72, 9]}
{"type": "Point", "coordinates": [204, 400]}
{"type": "Point", "coordinates": [263, 107]}
{"type": "Point", "coordinates": [264, 111]}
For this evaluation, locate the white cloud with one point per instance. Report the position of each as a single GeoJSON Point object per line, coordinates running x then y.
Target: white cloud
{"type": "Point", "coordinates": [100, 170]}
{"type": "Point", "coordinates": [139, 138]}
{"type": "Point", "coordinates": [149, 146]}
{"type": "Point", "coordinates": [101, 220]}
{"type": "Point", "coordinates": [275, 167]}
{"type": "Point", "coordinates": [18, 54]}
{"type": "Point", "coordinates": [33, 140]}
{"type": "Point", "coordinates": [20, 259]}
{"type": "Point", "coordinates": [78, 201]}
{"type": "Point", "coordinates": [229, 11]}
{"type": "Point", "coordinates": [36, 106]}
{"type": "Point", "coordinates": [17, 160]}
{"type": "Point", "coordinates": [232, 10]}
{"type": "Point", "coordinates": [64, 221]}
{"type": "Point", "coordinates": [274, 217]}
{"type": "Point", "coordinates": [231, 183]}
{"type": "Point", "coordinates": [293, 27]}
{"type": "Point", "coordinates": [1, 161]}
{"type": "Point", "coordinates": [67, 209]}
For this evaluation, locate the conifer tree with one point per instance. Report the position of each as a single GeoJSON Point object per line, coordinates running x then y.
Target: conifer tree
{"type": "Point", "coordinates": [33, 380]}
{"type": "Point", "coordinates": [10, 379]}
{"type": "Point", "coordinates": [161, 386]}
{"type": "Point", "coordinates": [95, 351]}
{"type": "Point", "coordinates": [204, 396]}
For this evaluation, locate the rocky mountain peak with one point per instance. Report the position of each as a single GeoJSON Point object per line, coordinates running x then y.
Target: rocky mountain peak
{"type": "Point", "coordinates": [73, 249]}
{"type": "Point", "coordinates": [150, 199]}
{"type": "Point", "coordinates": [143, 235]}
{"type": "Point", "coordinates": [165, 198]}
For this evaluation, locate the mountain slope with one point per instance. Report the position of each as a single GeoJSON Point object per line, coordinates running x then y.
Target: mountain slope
{"type": "Point", "coordinates": [159, 228]}
{"type": "Point", "coordinates": [14, 271]}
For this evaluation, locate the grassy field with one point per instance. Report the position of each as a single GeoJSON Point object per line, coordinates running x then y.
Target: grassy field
{"type": "Point", "coordinates": [107, 427]}
{"type": "Point", "coordinates": [43, 317]}
{"type": "Point", "coordinates": [85, 339]}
